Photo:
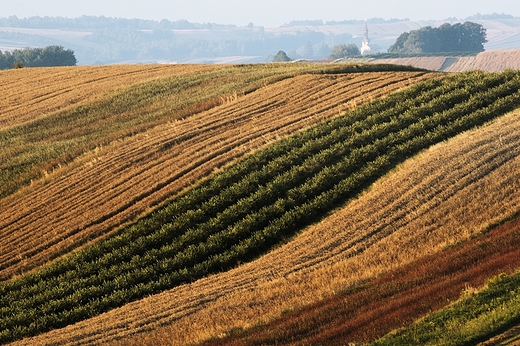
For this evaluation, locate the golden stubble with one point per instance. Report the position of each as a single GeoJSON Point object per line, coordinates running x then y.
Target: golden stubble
{"type": "Point", "coordinates": [31, 93]}
{"type": "Point", "coordinates": [444, 195]}
{"type": "Point", "coordinates": [114, 184]}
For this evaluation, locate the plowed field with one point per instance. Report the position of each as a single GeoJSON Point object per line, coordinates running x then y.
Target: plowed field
{"type": "Point", "coordinates": [448, 193]}
{"type": "Point", "coordinates": [98, 192]}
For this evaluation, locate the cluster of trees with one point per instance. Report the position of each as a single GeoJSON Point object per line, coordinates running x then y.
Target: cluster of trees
{"type": "Point", "coordinates": [338, 52]}
{"type": "Point", "coordinates": [37, 57]}
{"type": "Point", "coordinates": [344, 50]}
{"type": "Point", "coordinates": [467, 37]}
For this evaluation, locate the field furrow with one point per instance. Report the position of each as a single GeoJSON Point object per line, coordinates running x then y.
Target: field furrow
{"type": "Point", "coordinates": [32, 93]}
{"type": "Point", "coordinates": [445, 195]}
{"type": "Point", "coordinates": [102, 190]}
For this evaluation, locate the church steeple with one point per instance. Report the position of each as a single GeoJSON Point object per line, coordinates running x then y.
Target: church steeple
{"type": "Point", "coordinates": [365, 44]}
{"type": "Point", "coordinates": [365, 37]}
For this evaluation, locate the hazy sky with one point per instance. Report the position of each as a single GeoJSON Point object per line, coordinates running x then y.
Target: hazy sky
{"type": "Point", "coordinates": [268, 13]}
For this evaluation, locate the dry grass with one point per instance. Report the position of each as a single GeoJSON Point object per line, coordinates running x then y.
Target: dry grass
{"type": "Point", "coordinates": [448, 193]}
{"type": "Point", "coordinates": [466, 63]}
{"type": "Point", "coordinates": [114, 184]}
{"type": "Point", "coordinates": [490, 61]}
{"type": "Point", "coordinates": [30, 93]}
{"type": "Point", "coordinates": [498, 60]}
{"type": "Point", "coordinates": [395, 299]}
{"type": "Point", "coordinates": [428, 63]}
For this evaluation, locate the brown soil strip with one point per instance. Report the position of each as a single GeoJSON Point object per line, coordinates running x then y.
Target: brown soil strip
{"type": "Point", "coordinates": [395, 299]}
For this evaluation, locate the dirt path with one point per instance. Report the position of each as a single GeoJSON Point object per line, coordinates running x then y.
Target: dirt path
{"type": "Point", "coordinates": [418, 209]}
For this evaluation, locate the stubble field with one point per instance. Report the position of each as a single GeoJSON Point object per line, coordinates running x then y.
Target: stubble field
{"type": "Point", "coordinates": [100, 191]}
{"type": "Point", "coordinates": [89, 166]}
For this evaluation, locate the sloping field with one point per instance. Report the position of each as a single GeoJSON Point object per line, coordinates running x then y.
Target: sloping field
{"type": "Point", "coordinates": [459, 64]}
{"type": "Point", "coordinates": [33, 149]}
{"type": "Point", "coordinates": [488, 61]}
{"type": "Point", "coordinates": [413, 212]}
{"type": "Point", "coordinates": [428, 63]}
{"type": "Point", "coordinates": [412, 207]}
{"type": "Point", "coordinates": [395, 299]}
{"type": "Point", "coordinates": [28, 94]}
{"type": "Point", "coordinates": [100, 191]}
{"type": "Point", "coordinates": [498, 60]}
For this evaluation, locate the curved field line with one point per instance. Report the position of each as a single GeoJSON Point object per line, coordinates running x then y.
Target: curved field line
{"type": "Point", "coordinates": [101, 191]}
{"type": "Point", "coordinates": [28, 94]}
{"type": "Point", "coordinates": [445, 195]}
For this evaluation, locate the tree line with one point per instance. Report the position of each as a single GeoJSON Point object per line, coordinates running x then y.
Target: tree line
{"type": "Point", "coordinates": [467, 37]}
{"type": "Point", "coordinates": [37, 57]}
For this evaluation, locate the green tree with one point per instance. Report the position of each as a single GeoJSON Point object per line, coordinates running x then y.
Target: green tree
{"type": "Point", "coordinates": [424, 40]}
{"type": "Point", "coordinates": [38, 57]}
{"type": "Point", "coordinates": [467, 37]}
{"type": "Point", "coordinates": [398, 46]}
{"type": "Point", "coordinates": [281, 57]}
{"type": "Point", "coordinates": [473, 37]}
{"type": "Point", "coordinates": [323, 50]}
{"type": "Point", "coordinates": [343, 51]}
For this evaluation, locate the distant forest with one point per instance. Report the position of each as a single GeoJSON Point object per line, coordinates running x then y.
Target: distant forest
{"type": "Point", "coordinates": [102, 40]}
{"type": "Point", "coordinates": [37, 57]}
{"type": "Point", "coordinates": [109, 40]}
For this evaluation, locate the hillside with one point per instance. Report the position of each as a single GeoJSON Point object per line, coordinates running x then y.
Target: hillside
{"type": "Point", "coordinates": [197, 201]}
{"type": "Point", "coordinates": [489, 61]}
{"type": "Point", "coordinates": [141, 171]}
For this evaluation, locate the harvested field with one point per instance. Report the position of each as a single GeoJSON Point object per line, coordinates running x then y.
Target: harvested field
{"type": "Point", "coordinates": [447, 194]}
{"type": "Point", "coordinates": [397, 298]}
{"type": "Point", "coordinates": [489, 61]}
{"type": "Point", "coordinates": [459, 64]}
{"type": "Point", "coordinates": [33, 92]}
{"type": "Point", "coordinates": [100, 191]}
{"type": "Point", "coordinates": [498, 60]}
{"type": "Point", "coordinates": [428, 63]}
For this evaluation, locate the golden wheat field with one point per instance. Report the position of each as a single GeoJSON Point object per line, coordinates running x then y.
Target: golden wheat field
{"type": "Point", "coordinates": [101, 190]}
{"type": "Point", "coordinates": [448, 193]}
{"type": "Point", "coordinates": [32, 93]}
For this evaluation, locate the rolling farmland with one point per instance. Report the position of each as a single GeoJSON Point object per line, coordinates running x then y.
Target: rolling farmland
{"type": "Point", "coordinates": [326, 259]}
{"type": "Point", "coordinates": [139, 172]}
{"type": "Point", "coordinates": [200, 171]}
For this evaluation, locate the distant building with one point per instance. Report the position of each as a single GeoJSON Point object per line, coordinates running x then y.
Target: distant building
{"type": "Point", "coordinates": [365, 44]}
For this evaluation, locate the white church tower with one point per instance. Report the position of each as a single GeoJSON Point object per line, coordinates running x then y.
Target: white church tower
{"type": "Point", "coordinates": [365, 44]}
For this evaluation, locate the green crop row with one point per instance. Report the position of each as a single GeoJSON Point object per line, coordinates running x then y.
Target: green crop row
{"type": "Point", "coordinates": [247, 209]}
